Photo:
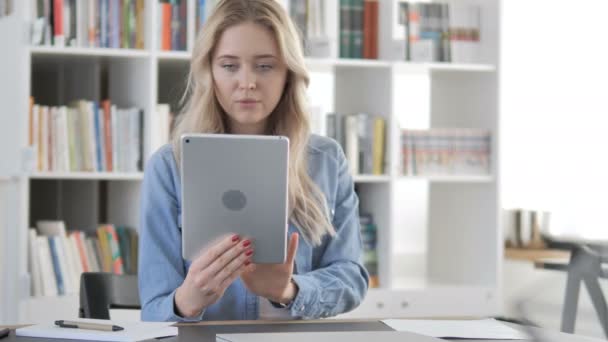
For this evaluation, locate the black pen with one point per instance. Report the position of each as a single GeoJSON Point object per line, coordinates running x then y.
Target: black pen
{"type": "Point", "coordinates": [4, 332]}
{"type": "Point", "coordinates": [88, 326]}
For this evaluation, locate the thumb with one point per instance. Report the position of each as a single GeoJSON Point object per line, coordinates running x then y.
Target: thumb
{"type": "Point", "coordinates": [293, 248]}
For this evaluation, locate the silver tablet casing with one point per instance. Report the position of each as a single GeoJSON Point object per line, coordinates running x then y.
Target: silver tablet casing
{"type": "Point", "coordinates": [235, 184]}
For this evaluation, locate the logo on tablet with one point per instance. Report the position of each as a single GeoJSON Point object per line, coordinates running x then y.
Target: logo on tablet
{"type": "Point", "coordinates": [234, 200]}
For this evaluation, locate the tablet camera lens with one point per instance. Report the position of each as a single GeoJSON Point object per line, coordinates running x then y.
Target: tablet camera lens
{"type": "Point", "coordinates": [187, 141]}
{"type": "Point", "coordinates": [234, 200]}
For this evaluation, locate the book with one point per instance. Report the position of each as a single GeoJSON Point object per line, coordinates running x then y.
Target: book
{"type": "Point", "coordinates": [345, 29]}
{"type": "Point", "coordinates": [124, 244]}
{"type": "Point", "coordinates": [34, 264]}
{"type": "Point", "coordinates": [59, 269]}
{"type": "Point", "coordinates": [356, 29]}
{"type": "Point", "coordinates": [47, 268]}
{"type": "Point", "coordinates": [370, 29]}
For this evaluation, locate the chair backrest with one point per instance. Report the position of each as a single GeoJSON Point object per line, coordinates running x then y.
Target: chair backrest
{"type": "Point", "coordinates": [101, 291]}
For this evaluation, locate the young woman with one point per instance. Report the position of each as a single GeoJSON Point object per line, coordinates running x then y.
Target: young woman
{"type": "Point", "coordinates": [248, 77]}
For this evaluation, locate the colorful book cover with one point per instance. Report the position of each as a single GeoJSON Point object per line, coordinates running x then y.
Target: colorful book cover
{"type": "Point", "coordinates": [117, 262]}
{"type": "Point", "coordinates": [124, 244]}
{"type": "Point", "coordinates": [104, 249]}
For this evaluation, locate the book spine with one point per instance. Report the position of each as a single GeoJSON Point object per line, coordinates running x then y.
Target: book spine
{"type": "Point", "coordinates": [125, 34]}
{"type": "Point", "coordinates": [367, 28]}
{"type": "Point", "coordinates": [175, 25]}
{"type": "Point", "coordinates": [58, 29]}
{"type": "Point", "coordinates": [345, 29]}
{"type": "Point", "coordinates": [49, 280]}
{"type": "Point", "coordinates": [117, 263]}
{"type": "Point", "coordinates": [352, 143]}
{"type": "Point", "coordinates": [56, 266]}
{"type": "Point", "coordinates": [139, 26]}
{"type": "Point", "coordinates": [80, 245]}
{"type": "Point", "coordinates": [114, 125]}
{"type": "Point", "coordinates": [107, 132]}
{"type": "Point", "coordinates": [356, 37]}
{"type": "Point", "coordinates": [166, 26]}
{"type": "Point", "coordinates": [34, 264]}
{"type": "Point", "coordinates": [98, 134]}
{"type": "Point", "coordinates": [132, 24]}
{"type": "Point", "coordinates": [183, 27]}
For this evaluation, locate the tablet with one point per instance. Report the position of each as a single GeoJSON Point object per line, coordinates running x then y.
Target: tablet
{"type": "Point", "coordinates": [235, 184]}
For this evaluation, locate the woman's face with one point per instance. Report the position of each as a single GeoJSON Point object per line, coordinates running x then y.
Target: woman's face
{"type": "Point", "coordinates": [249, 76]}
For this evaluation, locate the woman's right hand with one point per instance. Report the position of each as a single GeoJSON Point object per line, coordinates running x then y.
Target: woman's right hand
{"type": "Point", "coordinates": [211, 273]}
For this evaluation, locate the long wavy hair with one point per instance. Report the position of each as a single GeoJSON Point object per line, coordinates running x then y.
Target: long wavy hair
{"type": "Point", "coordinates": [202, 112]}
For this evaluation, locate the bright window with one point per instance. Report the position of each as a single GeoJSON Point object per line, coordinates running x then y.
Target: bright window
{"type": "Point", "coordinates": [554, 109]}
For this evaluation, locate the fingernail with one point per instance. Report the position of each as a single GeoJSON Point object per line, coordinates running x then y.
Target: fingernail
{"type": "Point", "coordinates": [246, 243]}
{"type": "Point", "coordinates": [235, 238]}
{"type": "Point", "coordinates": [247, 263]}
{"type": "Point", "coordinates": [249, 252]}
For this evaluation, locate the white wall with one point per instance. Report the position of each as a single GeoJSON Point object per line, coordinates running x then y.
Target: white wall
{"type": "Point", "coordinates": [554, 109]}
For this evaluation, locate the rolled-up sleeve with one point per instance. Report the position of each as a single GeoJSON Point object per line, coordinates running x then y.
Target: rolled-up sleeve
{"type": "Point", "coordinates": [340, 282]}
{"type": "Point", "coordinates": [161, 268]}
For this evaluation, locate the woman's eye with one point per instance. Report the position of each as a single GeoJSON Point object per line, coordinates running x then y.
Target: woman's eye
{"type": "Point", "coordinates": [229, 67]}
{"type": "Point", "coordinates": [265, 67]}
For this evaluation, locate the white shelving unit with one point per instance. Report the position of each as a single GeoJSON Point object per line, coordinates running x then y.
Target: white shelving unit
{"type": "Point", "coordinates": [439, 236]}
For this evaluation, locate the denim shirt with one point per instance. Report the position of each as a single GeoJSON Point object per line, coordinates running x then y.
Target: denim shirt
{"type": "Point", "coordinates": [330, 277]}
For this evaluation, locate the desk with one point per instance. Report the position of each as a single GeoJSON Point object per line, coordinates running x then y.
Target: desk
{"type": "Point", "coordinates": [190, 335]}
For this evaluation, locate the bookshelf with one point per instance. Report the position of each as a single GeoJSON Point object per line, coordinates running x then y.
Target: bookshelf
{"type": "Point", "coordinates": [439, 238]}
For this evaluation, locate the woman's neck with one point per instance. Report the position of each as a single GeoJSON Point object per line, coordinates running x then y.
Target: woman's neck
{"type": "Point", "coordinates": [252, 129]}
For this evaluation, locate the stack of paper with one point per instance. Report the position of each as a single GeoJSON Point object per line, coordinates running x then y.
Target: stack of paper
{"type": "Point", "coordinates": [488, 329]}
{"type": "Point", "coordinates": [133, 331]}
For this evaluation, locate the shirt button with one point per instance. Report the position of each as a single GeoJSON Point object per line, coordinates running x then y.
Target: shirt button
{"type": "Point", "coordinates": [303, 307]}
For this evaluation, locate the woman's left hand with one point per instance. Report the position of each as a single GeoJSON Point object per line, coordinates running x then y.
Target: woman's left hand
{"type": "Point", "coordinates": [273, 281]}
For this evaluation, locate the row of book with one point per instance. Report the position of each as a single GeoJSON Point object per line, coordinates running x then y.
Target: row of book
{"type": "Point", "coordinates": [369, 240]}
{"type": "Point", "coordinates": [6, 8]}
{"type": "Point", "coordinates": [441, 32]}
{"type": "Point", "coordinates": [359, 29]}
{"type": "Point", "coordinates": [173, 25]}
{"type": "Point", "coordinates": [309, 17]}
{"type": "Point", "coordinates": [446, 152]}
{"type": "Point", "coordinates": [86, 136]}
{"type": "Point", "coordinates": [57, 257]}
{"type": "Point", "coordinates": [88, 23]}
{"type": "Point", "coordinates": [363, 139]}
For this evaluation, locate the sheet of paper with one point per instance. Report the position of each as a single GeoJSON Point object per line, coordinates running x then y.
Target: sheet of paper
{"type": "Point", "coordinates": [133, 331]}
{"type": "Point", "coordinates": [470, 329]}
{"type": "Point", "coordinates": [354, 336]}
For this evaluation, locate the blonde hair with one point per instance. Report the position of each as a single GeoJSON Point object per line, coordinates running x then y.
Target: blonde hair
{"type": "Point", "coordinates": [202, 112]}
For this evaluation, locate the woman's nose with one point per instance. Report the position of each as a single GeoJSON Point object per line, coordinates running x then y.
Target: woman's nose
{"type": "Point", "coordinates": [246, 79]}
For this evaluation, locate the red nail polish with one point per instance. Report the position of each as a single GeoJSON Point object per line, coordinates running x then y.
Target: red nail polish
{"type": "Point", "coordinates": [235, 238]}
{"type": "Point", "coordinates": [246, 243]}
{"type": "Point", "coordinates": [249, 252]}
{"type": "Point", "coordinates": [247, 263]}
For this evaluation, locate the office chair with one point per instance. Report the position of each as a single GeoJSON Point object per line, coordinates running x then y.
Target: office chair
{"type": "Point", "coordinates": [586, 265]}
{"type": "Point", "coordinates": [101, 291]}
